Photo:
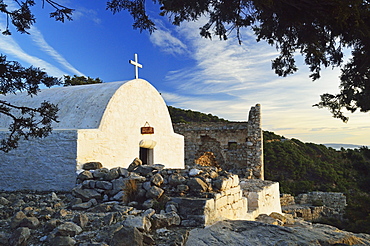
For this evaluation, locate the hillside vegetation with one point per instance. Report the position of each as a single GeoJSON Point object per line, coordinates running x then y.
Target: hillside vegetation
{"type": "Point", "coordinates": [185, 116]}
{"type": "Point", "coordinates": [302, 167]}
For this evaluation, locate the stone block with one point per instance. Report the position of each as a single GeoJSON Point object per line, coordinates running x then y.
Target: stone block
{"type": "Point", "coordinates": [222, 202]}
{"type": "Point", "coordinates": [105, 185]}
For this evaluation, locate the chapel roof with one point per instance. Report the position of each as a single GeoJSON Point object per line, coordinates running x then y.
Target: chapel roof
{"type": "Point", "coordinates": [80, 107]}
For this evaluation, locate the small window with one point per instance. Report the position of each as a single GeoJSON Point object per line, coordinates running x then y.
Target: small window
{"type": "Point", "coordinates": [232, 145]}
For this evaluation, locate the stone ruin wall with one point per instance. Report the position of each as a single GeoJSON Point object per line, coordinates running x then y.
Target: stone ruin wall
{"type": "Point", "coordinates": [314, 206]}
{"type": "Point", "coordinates": [237, 146]}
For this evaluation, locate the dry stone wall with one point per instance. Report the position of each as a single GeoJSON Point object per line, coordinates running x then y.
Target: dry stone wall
{"type": "Point", "coordinates": [315, 205]}
{"type": "Point", "coordinates": [237, 146]}
{"type": "Point", "coordinates": [199, 195]}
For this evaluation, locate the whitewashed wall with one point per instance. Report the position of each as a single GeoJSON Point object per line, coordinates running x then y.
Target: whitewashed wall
{"type": "Point", "coordinates": [99, 122]}
{"type": "Point", "coordinates": [116, 142]}
{"type": "Point", "coordinates": [41, 164]}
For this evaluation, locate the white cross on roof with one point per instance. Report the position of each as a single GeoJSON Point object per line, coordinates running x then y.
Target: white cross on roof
{"type": "Point", "coordinates": [137, 65]}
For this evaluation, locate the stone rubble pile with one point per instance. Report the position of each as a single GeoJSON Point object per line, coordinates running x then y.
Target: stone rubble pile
{"type": "Point", "coordinates": [199, 195]}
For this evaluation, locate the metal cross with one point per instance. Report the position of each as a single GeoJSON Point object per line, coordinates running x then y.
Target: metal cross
{"type": "Point", "coordinates": [137, 65]}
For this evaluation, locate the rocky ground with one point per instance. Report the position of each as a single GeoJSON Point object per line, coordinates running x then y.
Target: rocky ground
{"type": "Point", "coordinates": [47, 219]}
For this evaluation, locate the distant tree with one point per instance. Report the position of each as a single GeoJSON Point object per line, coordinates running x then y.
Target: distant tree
{"type": "Point", "coordinates": [318, 29]}
{"type": "Point", "coordinates": [186, 116]}
{"type": "Point", "coordinates": [80, 80]}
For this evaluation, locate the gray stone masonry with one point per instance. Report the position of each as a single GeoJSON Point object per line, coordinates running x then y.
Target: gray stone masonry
{"type": "Point", "coordinates": [313, 206]}
{"type": "Point", "coordinates": [237, 146]}
{"type": "Point", "coordinates": [200, 195]}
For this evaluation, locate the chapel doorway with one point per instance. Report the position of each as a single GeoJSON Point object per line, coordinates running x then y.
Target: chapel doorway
{"type": "Point", "coordinates": [146, 156]}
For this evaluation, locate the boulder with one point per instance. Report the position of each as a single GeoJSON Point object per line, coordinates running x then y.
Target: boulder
{"type": "Point", "coordinates": [198, 185]}
{"type": "Point", "coordinates": [62, 241]}
{"type": "Point", "coordinates": [92, 165]}
{"type": "Point", "coordinates": [30, 222]}
{"type": "Point", "coordinates": [165, 220]}
{"type": "Point", "coordinates": [16, 219]}
{"type": "Point", "coordinates": [68, 229]}
{"type": "Point", "coordinates": [135, 163]}
{"type": "Point", "coordinates": [20, 236]}
{"type": "Point", "coordinates": [85, 194]}
{"type": "Point", "coordinates": [154, 192]}
{"type": "Point", "coordinates": [243, 232]}
{"type": "Point", "coordinates": [85, 175]}
{"type": "Point", "coordinates": [157, 179]}
{"type": "Point", "coordinates": [81, 220]}
{"type": "Point", "coordinates": [176, 179]}
{"type": "Point", "coordinates": [142, 223]}
{"type": "Point", "coordinates": [144, 170]}
{"type": "Point", "coordinates": [127, 236]}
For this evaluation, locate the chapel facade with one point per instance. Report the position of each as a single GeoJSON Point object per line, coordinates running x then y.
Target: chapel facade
{"type": "Point", "coordinates": [111, 123]}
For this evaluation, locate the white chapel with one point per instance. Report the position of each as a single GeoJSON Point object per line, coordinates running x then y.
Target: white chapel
{"type": "Point", "coordinates": [111, 123]}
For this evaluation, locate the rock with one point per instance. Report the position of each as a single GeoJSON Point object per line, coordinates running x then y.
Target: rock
{"type": "Point", "coordinates": [148, 239]}
{"type": "Point", "coordinates": [149, 213]}
{"type": "Point", "coordinates": [123, 172]}
{"type": "Point", "coordinates": [176, 179]}
{"type": "Point", "coordinates": [20, 236]}
{"type": "Point", "coordinates": [242, 232]}
{"type": "Point", "coordinates": [17, 218]}
{"type": "Point", "coordinates": [278, 216]}
{"type": "Point", "coordinates": [82, 206]}
{"type": "Point", "coordinates": [182, 188]}
{"type": "Point", "coordinates": [135, 163]}
{"type": "Point", "coordinates": [85, 194]}
{"type": "Point", "coordinates": [100, 173]}
{"type": "Point", "coordinates": [54, 197]}
{"type": "Point", "coordinates": [112, 174]}
{"type": "Point", "coordinates": [157, 179]}
{"type": "Point", "coordinates": [144, 170]}
{"type": "Point", "coordinates": [4, 201]}
{"type": "Point", "coordinates": [142, 223]}
{"type": "Point", "coordinates": [30, 222]}
{"type": "Point", "coordinates": [62, 241]}
{"type": "Point", "coordinates": [221, 184]}
{"type": "Point", "coordinates": [105, 185]}
{"type": "Point", "coordinates": [147, 185]}
{"type": "Point", "coordinates": [85, 175]}
{"type": "Point", "coordinates": [196, 184]}
{"type": "Point", "coordinates": [121, 196]}
{"type": "Point", "coordinates": [137, 177]}
{"type": "Point", "coordinates": [165, 220]}
{"type": "Point", "coordinates": [171, 208]}
{"type": "Point", "coordinates": [92, 165]}
{"type": "Point", "coordinates": [4, 238]}
{"type": "Point", "coordinates": [264, 218]}
{"type": "Point", "coordinates": [51, 224]}
{"type": "Point", "coordinates": [154, 192]}
{"type": "Point", "coordinates": [127, 236]}
{"type": "Point", "coordinates": [148, 204]}
{"type": "Point", "coordinates": [118, 184]}
{"type": "Point", "coordinates": [194, 172]}
{"type": "Point", "coordinates": [68, 229]}
{"type": "Point", "coordinates": [81, 220]}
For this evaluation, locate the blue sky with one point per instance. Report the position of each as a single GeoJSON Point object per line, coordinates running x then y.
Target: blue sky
{"type": "Point", "coordinates": [212, 76]}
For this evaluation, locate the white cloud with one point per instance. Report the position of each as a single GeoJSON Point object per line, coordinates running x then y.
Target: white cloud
{"type": "Point", "coordinates": [90, 14]}
{"type": "Point", "coordinates": [9, 47]}
{"type": "Point", "coordinates": [38, 38]}
{"type": "Point", "coordinates": [228, 78]}
{"type": "Point", "coordinates": [163, 38]}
